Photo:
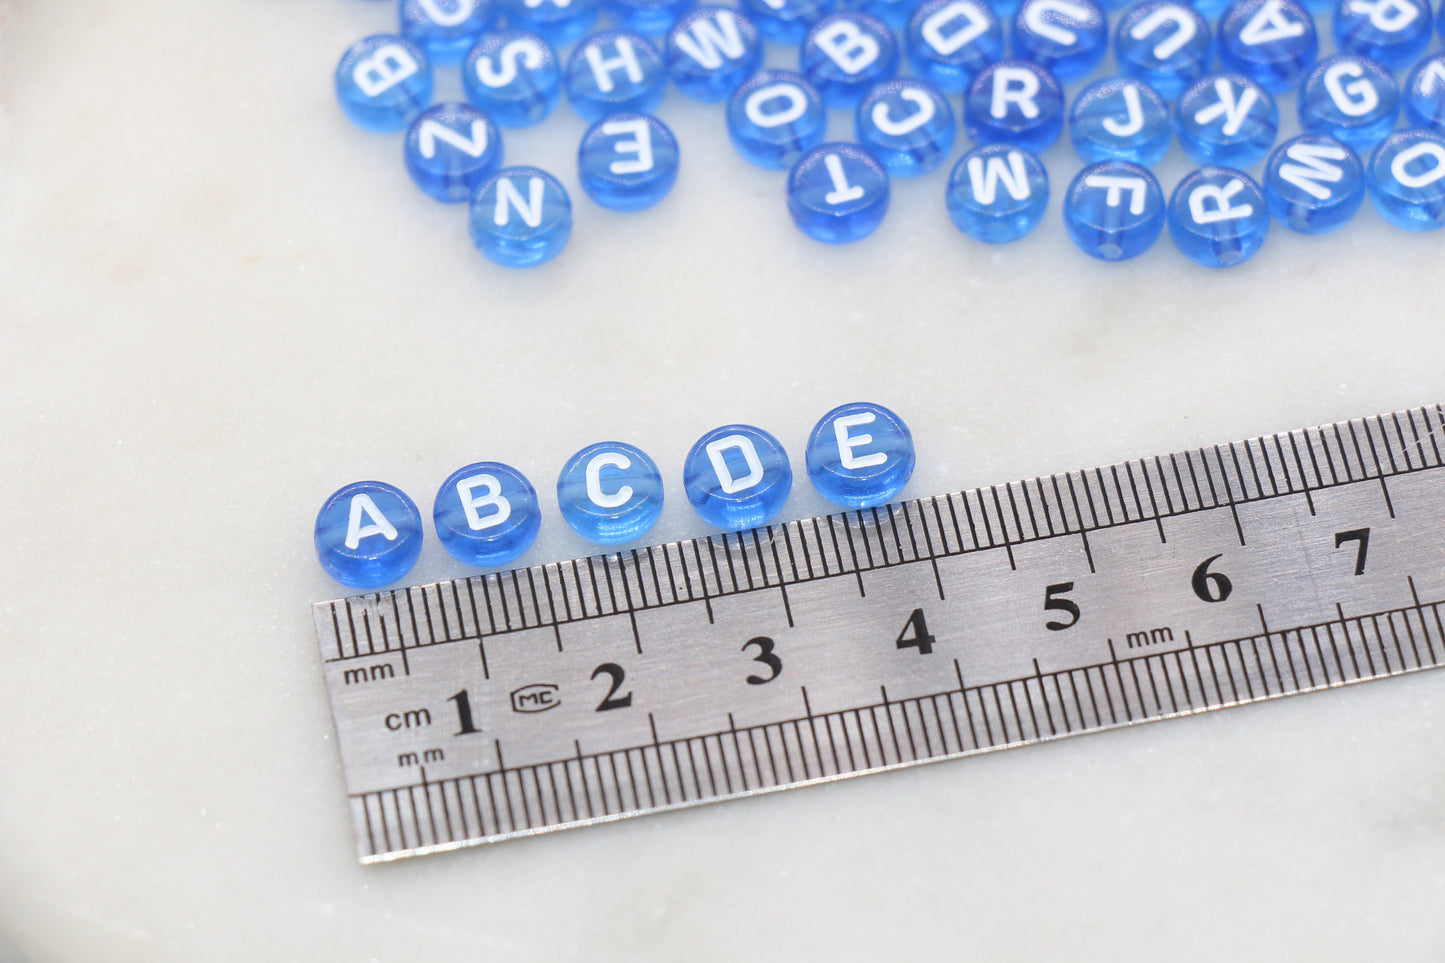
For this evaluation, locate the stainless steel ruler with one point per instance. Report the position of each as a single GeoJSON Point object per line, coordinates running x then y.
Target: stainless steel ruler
{"type": "Point", "coordinates": [578, 692]}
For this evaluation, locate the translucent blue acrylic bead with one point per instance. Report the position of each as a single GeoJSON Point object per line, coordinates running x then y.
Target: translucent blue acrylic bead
{"type": "Point", "coordinates": [1068, 37]}
{"type": "Point", "coordinates": [1351, 98]}
{"type": "Point", "coordinates": [949, 41]}
{"type": "Point", "coordinates": [513, 76]}
{"type": "Point", "coordinates": [383, 82]}
{"type": "Point", "coordinates": [894, 13]}
{"type": "Point", "coordinates": [775, 117]}
{"type": "Point", "coordinates": [653, 17]}
{"type": "Point", "coordinates": [627, 161]}
{"type": "Point", "coordinates": [737, 477]}
{"type": "Point", "coordinates": [1164, 43]}
{"type": "Point", "coordinates": [1269, 41]}
{"type": "Point", "coordinates": [838, 193]}
{"type": "Point", "coordinates": [997, 193]}
{"type": "Point", "coordinates": [1218, 217]}
{"type": "Point", "coordinates": [1424, 94]}
{"type": "Point", "coordinates": [1313, 184]}
{"type": "Point", "coordinates": [844, 54]}
{"type": "Point", "coordinates": [614, 71]}
{"type": "Point", "coordinates": [1114, 210]}
{"type": "Point", "coordinates": [520, 217]}
{"type": "Point", "coordinates": [1119, 117]}
{"type": "Point", "coordinates": [445, 29]}
{"type": "Point", "coordinates": [368, 534]}
{"type": "Point", "coordinates": [560, 21]}
{"type": "Point", "coordinates": [1389, 32]}
{"type": "Point", "coordinates": [610, 493]}
{"type": "Point", "coordinates": [710, 51]}
{"type": "Point", "coordinates": [860, 455]}
{"type": "Point", "coordinates": [450, 149]}
{"type": "Point", "coordinates": [1014, 102]}
{"type": "Point", "coordinates": [787, 21]}
{"type": "Point", "coordinates": [1407, 179]}
{"type": "Point", "coordinates": [486, 514]}
{"type": "Point", "coordinates": [1226, 119]}
{"type": "Point", "coordinates": [907, 125]}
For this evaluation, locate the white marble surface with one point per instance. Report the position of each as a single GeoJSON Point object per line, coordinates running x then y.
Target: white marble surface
{"type": "Point", "coordinates": [219, 302]}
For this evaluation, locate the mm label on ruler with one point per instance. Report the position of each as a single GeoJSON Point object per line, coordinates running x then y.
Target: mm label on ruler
{"type": "Point", "coordinates": [578, 692]}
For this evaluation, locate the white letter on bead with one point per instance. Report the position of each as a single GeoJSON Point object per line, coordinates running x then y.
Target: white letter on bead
{"type": "Point", "coordinates": [626, 58]}
{"type": "Point", "coordinates": [797, 105]}
{"type": "Point", "coordinates": [1233, 111]}
{"type": "Point", "coordinates": [842, 191]}
{"type": "Point", "coordinates": [946, 43]}
{"type": "Point", "coordinates": [380, 525]}
{"type": "Point", "coordinates": [1402, 160]}
{"type": "Point", "coordinates": [1269, 24]}
{"type": "Point", "coordinates": [508, 198]}
{"type": "Point", "coordinates": [461, 10]}
{"type": "Point", "coordinates": [466, 489]}
{"type": "Point", "coordinates": [1014, 85]}
{"type": "Point", "coordinates": [884, 121]}
{"type": "Point", "coordinates": [1354, 99]}
{"type": "Point", "coordinates": [430, 132]}
{"type": "Point", "coordinates": [847, 442]}
{"type": "Point", "coordinates": [744, 444]}
{"type": "Point", "coordinates": [527, 53]}
{"type": "Point", "coordinates": [1390, 16]}
{"type": "Point", "coordinates": [985, 178]}
{"type": "Point", "coordinates": [1136, 186]}
{"type": "Point", "coordinates": [384, 69]}
{"type": "Point", "coordinates": [710, 39]}
{"type": "Point", "coordinates": [595, 494]}
{"type": "Point", "coordinates": [1171, 44]}
{"type": "Point", "coordinates": [1312, 166]}
{"type": "Point", "coordinates": [1221, 210]}
{"type": "Point", "coordinates": [1057, 32]}
{"type": "Point", "coordinates": [847, 45]}
{"type": "Point", "coordinates": [1133, 119]}
{"type": "Point", "coordinates": [640, 144]}
{"type": "Point", "coordinates": [1432, 78]}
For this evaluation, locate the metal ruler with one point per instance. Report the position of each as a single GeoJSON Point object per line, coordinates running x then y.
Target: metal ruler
{"type": "Point", "coordinates": [579, 692]}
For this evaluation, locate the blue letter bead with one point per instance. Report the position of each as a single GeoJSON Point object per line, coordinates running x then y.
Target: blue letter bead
{"type": "Point", "coordinates": [368, 534]}
{"type": "Point", "coordinates": [774, 117]}
{"type": "Point", "coordinates": [560, 21]}
{"type": "Point", "coordinates": [513, 76]}
{"type": "Point", "coordinates": [654, 17]}
{"type": "Point", "coordinates": [614, 71]}
{"type": "Point", "coordinates": [383, 82]}
{"type": "Point", "coordinates": [1068, 37]}
{"type": "Point", "coordinates": [1114, 210]}
{"type": "Point", "coordinates": [1269, 41]}
{"type": "Point", "coordinates": [907, 125]}
{"type": "Point", "coordinates": [1425, 94]}
{"type": "Point", "coordinates": [450, 149]}
{"type": "Point", "coordinates": [950, 41]}
{"type": "Point", "coordinates": [1121, 118]}
{"type": "Point", "coordinates": [1351, 98]}
{"type": "Point", "coordinates": [1313, 184]}
{"type": "Point", "coordinates": [737, 477]}
{"type": "Point", "coordinates": [860, 455]}
{"type": "Point", "coordinates": [1407, 179]}
{"type": "Point", "coordinates": [1389, 32]}
{"type": "Point", "coordinates": [445, 29]}
{"type": "Point", "coordinates": [627, 161]}
{"type": "Point", "coordinates": [838, 193]}
{"type": "Point", "coordinates": [787, 21]}
{"type": "Point", "coordinates": [1014, 102]}
{"type": "Point", "coordinates": [1164, 43]}
{"type": "Point", "coordinates": [1218, 217]}
{"type": "Point", "coordinates": [520, 217]}
{"type": "Point", "coordinates": [710, 51]}
{"type": "Point", "coordinates": [486, 514]}
{"type": "Point", "coordinates": [845, 54]}
{"type": "Point", "coordinates": [1226, 119]}
{"type": "Point", "coordinates": [984, 212]}
{"type": "Point", "coordinates": [610, 493]}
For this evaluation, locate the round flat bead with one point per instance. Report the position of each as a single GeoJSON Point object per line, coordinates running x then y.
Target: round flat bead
{"type": "Point", "coordinates": [997, 193]}
{"type": "Point", "coordinates": [1269, 41]}
{"type": "Point", "coordinates": [710, 51]}
{"type": "Point", "coordinates": [560, 21]}
{"type": "Point", "coordinates": [614, 71]}
{"type": "Point", "coordinates": [1165, 43]}
{"type": "Point", "coordinates": [1313, 184]}
{"type": "Point", "coordinates": [838, 193]}
{"type": "Point", "coordinates": [737, 477]}
{"type": "Point", "coordinates": [486, 514]}
{"type": "Point", "coordinates": [949, 41]}
{"type": "Point", "coordinates": [860, 455]}
{"type": "Point", "coordinates": [1226, 119]}
{"type": "Point", "coordinates": [1014, 102]}
{"type": "Point", "coordinates": [383, 82]}
{"type": "Point", "coordinates": [1114, 210]}
{"type": "Point", "coordinates": [1119, 118]}
{"type": "Point", "coordinates": [774, 117]}
{"type": "Point", "coordinates": [1351, 98]}
{"type": "Point", "coordinates": [445, 29]}
{"type": "Point", "coordinates": [653, 17]}
{"type": "Point", "coordinates": [1389, 32]}
{"type": "Point", "coordinates": [514, 76]}
{"type": "Point", "coordinates": [1067, 37]}
{"type": "Point", "coordinates": [368, 534]}
{"type": "Point", "coordinates": [520, 217]}
{"type": "Point", "coordinates": [787, 21]}
{"type": "Point", "coordinates": [610, 493]}
{"type": "Point", "coordinates": [450, 149]}
{"type": "Point", "coordinates": [1406, 177]}
{"type": "Point", "coordinates": [627, 161]}
{"type": "Point", "coordinates": [907, 125]}
{"type": "Point", "coordinates": [844, 54]}
{"type": "Point", "coordinates": [1424, 94]}
{"type": "Point", "coordinates": [1218, 217]}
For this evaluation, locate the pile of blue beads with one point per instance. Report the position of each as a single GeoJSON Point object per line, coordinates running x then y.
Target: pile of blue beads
{"type": "Point", "coordinates": [1175, 77]}
{"type": "Point", "coordinates": [369, 533]}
